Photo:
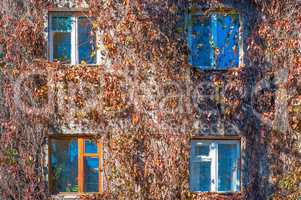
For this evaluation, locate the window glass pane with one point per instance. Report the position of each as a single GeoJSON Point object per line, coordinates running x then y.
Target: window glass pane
{"type": "Point", "coordinates": [202, 150]}
{"type": "Point", "coordinates": [91, 174]}
{"type": "Point", "coordinates": [90, 146]}
{"type": "Point", "coordinates": [227, 40]}
{"type": "Point", "coordinates": [86, 41]}
{"type": "Point", "coordinates": [64, 164]}
{"type": "Point", "coordinates": [228, 163]}
{"type": "Point", "coordinates": [200, 179]}
{"type": "Point", "coordinates": [62, 46]}
{"type": "Point", "coordinates": [61, 24]}
{"type": "Point", "coordinates": [1, 51]}
{"type": "Point", "coordinates": [200, 48]}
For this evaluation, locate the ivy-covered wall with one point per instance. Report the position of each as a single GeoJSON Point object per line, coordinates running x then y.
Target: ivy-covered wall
{"type": "Point", "coordinates": [146, 103]}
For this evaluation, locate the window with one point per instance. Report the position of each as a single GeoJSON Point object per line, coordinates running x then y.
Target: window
{"type": "Point", "coordinates": [215, 166]}
{"type": "Point", "coordinates": [214, 40]}
{"type": "Point", "coordinates": [72, 39]}
{"type": "Point", "coordinates": [1, 52]}
{"type": "Point", "coordinates": [75, 165]}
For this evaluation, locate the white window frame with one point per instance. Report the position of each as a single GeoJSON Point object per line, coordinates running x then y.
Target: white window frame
{"type": "Point", "coordinates": [213, 27]}
{"type": "Point", "coordinates": [213, 158]}
{"type": "Point", "coordinates": [74, 37]}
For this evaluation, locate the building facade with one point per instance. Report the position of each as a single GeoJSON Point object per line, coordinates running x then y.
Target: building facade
{"type": "Point", "coordinates": [158, 100]}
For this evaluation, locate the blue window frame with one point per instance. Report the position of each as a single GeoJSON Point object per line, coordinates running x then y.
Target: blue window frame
{"type": "Point", "coordinates": [214, 40]}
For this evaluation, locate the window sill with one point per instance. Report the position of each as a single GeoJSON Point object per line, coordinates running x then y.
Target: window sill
{"type": "Point", "coordinates": [64, 9]}
{"type": "Point", "coordinates": [71, 195]}
{"type": "Point", "coordinates": [65, 196]}
{"type": "Point", "coordinates": [198, 192]}
{"type": "Point", "coordinates": [217, 193]}
{"type": "Point", "coordinates": [76, 65]}
{"type": "Point", "coordinates": [202, 68]}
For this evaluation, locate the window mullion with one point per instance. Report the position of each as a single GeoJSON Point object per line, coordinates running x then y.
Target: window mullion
{"type": "Point", "coordinates": [74, 44]}
{"type": "Point", "coordinates": [50, 39]}
{"type": "Point", "coordinates": [81, 164]}
{"type": "Point", "coordinates": [213, 19]}
{"type": "Point", "coordinates": [99, 46]}
{"type": "Point", "coordinates": [213, 166]}
{"type": "Point", "coordinates": [189, 38]}
{"type": "Point", "coordinates": [99, 151]}
{"type": "Point", "coordinates": [240, 44]}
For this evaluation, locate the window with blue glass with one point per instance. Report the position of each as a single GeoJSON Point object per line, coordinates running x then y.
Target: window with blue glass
{"type": "Point", "coordinates": [215, 166]}
{"type": "Point", "coordinates": [75, 165]}
{"type": "Point", "coordinates": [214, 40]}
{"type": "Point", "coordinates": [1, 51]}
{"type": "Point", "coordinates": [72, 39]}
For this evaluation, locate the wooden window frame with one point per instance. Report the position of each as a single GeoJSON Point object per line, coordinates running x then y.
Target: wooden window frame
{"type": "Point", "coordinates": [74, 36]}
{"type": "Point", "coordinates": [81, 155]}
{"type": "Point", "coordinates": [214, 27]}
{"type": "Point", "coordinates": [213, 157]}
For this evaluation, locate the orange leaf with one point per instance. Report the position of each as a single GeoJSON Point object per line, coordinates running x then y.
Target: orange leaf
{"type": "Point", "coordinates": [135, 118]}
